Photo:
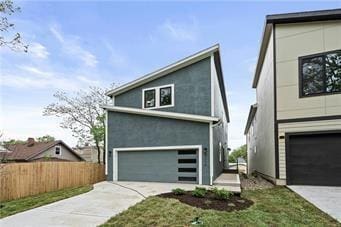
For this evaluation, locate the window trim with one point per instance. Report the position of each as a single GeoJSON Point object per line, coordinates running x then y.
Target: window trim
{"type": "Point", "coordinates": [157, 97]}
{"type": "Point", "coordinates": [300, 75]}
{"type": "Point", "coordinates": [60, 150]}
{"type": "Point", "coordinates": [144, 101]}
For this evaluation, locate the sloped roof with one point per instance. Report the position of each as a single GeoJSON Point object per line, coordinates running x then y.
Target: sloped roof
{"type": "Point", "coordinates": [23, 152]}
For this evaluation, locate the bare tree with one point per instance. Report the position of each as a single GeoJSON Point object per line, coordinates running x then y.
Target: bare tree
{"type": "Point", "coordinates": [82, 113]}
{"type": "Point", "coordinates": [7, 8]}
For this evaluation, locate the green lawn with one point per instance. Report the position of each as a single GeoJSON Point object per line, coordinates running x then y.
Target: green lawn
{"type": "Point", "coordinates": [276, 206]}
{"type": "Point", "coordinates": [19, 205]}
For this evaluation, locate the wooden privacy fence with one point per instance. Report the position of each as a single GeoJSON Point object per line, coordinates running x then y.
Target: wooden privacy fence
{"type": "Point", "coordinates": [18, 180]}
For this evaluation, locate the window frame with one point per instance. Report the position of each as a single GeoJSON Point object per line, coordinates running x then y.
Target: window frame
{"type": "Point", "coordinates": [60, 150]}
{"type": "Point", "coordinates": [158, 97]}
{"type": "Point", "coordinates": [144, 101]}
{"type": "Point", "coordinates": [300, 69]}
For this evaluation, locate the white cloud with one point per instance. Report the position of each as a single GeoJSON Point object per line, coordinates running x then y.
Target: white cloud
{"type": "Point", "coordinates": [34, 124]}
{"type": "Point", "coordinates": [35, 71]}
{"type": "Point", "coordinates": [37, 50]}
{"type": "Point", "coordinates": [181, 31]}
{"type": "Point", "coordinates": [72, 47]}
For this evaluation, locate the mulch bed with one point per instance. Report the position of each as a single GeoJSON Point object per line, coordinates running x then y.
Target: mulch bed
{"type": "Point", "coordinates": [235, 202]}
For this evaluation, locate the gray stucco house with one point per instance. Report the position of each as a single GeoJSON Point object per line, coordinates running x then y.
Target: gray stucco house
{"type": "Point", "coordinates": [170, 125]}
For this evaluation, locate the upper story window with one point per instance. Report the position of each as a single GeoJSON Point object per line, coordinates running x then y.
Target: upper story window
{"type": "Point", "coordinates": [320, 74]}
{"type": "Point", "coordinates": [158, 97]}
{"type": "Point", "coordinates": [58, 150]}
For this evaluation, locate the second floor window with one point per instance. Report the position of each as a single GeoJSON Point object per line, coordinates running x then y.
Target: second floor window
{"type": "Point", "coordinates": [158, 97]}
{"type": "Point", "coordinates": [57, 150]}
{"type": "Point", "coordinates": [320, 74]}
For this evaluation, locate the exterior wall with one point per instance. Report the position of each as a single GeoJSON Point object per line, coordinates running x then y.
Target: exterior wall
{"type": "Point", "coordinates": [220, 130]}
{"type": "Point", "coordinates": [251, 147]}
{"type": "Point", "coordinates": [192, 90]}
{"type": "Point", "coordinates": [89, 154]}
{"type": "Point", "coordinates": [264, 160]}
{"type": "Point", "coordinates": [50, 153]}
{"type": "Point", "coordinates": [307, 126]}
{"type": "Point", "coordinates": [293, 41]}
{"type": "Point", "coordinates": [129, 130]}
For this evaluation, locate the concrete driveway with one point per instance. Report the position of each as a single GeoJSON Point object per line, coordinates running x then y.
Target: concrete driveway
{"type": "Point", "coordinates": [92, 208]}
{"type": "Point", "coordinates": [327, 199]}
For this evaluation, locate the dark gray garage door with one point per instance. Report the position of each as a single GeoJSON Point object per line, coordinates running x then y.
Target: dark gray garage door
{"type": "Point", "coordinates": [158, 166]}
{"type": "Point", "coordinates": [314, 159]}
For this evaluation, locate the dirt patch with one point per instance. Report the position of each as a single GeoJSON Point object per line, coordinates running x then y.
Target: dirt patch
{"type": "Point", "coordinates": [209, 202]}
{"type": "Point", "coordinates": [254, 182]}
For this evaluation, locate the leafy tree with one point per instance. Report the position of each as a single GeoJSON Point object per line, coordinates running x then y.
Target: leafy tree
{"type": "Point", "coordinates": [7, 8]}
{"type": "Point", "coordinates": [12, 141]}
{"type": "Point", "coordinates": [240, 152]}
{"type": "Point", "coordinates": [82, 114]}
{"type": "Point", "coordinates": [46, 138]}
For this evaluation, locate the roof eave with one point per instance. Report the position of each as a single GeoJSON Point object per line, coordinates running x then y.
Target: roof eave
{"type": "Point", "coordinates": [164, 71]}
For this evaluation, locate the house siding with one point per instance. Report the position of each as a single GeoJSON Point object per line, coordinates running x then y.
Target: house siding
{"type": "Point", "coordinates": [263, 161]}
{"type": "Point", "coordinates": [292, 42]}
{"type": "Point", "coordinates": [220, 130]}
{"type": "Point", "coordinates": [50, 153]}
{"type": "Point", "coordinates": [191, 88]}
{"type": "Point", "coordinates": [130, 130]}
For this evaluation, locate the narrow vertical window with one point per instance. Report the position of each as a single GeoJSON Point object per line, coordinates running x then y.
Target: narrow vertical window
{"type": "Point", "coordinates": [165, 96]}
{"type": "Point", "coordinates": [57, 150]}
{"type": "Point", "coordinates": [149, 98]}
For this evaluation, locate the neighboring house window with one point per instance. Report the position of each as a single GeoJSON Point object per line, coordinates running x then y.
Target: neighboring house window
{"type": "Point", "coordinates": [158, 97]}
{"type": "Point", "coordinates": [58, 150]}
{"type": "Point", "coordinates": [320, 73]}
{"type": "Point", "coordinates": [220, 151]}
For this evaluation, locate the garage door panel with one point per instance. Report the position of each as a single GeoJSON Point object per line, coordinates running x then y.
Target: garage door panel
{"type": "Point", "coordinates": [314, 159]}
{"type": "Point", "coordinates": [157, 166]}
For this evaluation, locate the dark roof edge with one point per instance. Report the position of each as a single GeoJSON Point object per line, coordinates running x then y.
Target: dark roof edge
{"type": "Point", "coordinates": [252, 113]}
{"type": "Point", "coordinates": [308, 16]}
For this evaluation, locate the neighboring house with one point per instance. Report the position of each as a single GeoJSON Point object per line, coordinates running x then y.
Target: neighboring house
{"type": "Point", "coordinates": [89, 153]}
{"type": "Point", "coordinates": [39, 151]}
{"type": "Point", "coordinates": [294, 131]}
{"type": "Point", "coordinates": [170, 125]}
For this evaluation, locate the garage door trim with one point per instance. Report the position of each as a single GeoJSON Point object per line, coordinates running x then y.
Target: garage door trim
{"type": "Point", "coordinates": [162, 148]}
{"type": "Point", "coordinates": [287, 147]}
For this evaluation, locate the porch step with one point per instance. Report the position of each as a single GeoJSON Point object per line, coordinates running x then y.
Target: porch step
{"type": "Point", "coordinates": [230, 171]}
{"type": "Point", "coordinates": [228, 179]}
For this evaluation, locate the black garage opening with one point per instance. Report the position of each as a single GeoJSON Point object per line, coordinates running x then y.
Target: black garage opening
{"type": "Point", "coordinates": [314, 158]}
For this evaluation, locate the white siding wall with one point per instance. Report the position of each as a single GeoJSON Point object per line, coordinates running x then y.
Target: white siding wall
{"type": "Point", "coordinates": [264, 160]}
{"type": "Point", "coordinates": [293, 41]}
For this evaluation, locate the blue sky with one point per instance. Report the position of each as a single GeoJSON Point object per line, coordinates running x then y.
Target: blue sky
{"type": "Point", "coordinates": [77, 44]}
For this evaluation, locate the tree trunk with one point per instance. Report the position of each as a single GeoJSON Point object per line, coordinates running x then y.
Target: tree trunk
{"type": "Point", "coordinates": [98, 152]}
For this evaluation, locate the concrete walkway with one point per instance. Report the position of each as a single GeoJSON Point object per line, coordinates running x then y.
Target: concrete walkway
{"type": "Point", "coordinates": [92, 208]}
{"type": "Point", "coordinates": [327, 199]}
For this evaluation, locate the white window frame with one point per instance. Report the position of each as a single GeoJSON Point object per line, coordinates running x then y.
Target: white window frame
{"type": "Point", "coordinates": [60, 150]}
{"type": "Point", "coordinates": [157, 97]}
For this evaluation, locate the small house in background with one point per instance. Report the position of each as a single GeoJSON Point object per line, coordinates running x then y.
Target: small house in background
{"type": "Point", "coordinates": [39, 151]}
{"type": "Point", "coordinates": [89, 153]}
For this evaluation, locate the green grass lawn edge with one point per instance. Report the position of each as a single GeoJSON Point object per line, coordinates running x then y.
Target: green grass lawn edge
{"type": "Point", "coordinates": [19, 205]}
{"type": "Point", "coordinates": [278, 206]}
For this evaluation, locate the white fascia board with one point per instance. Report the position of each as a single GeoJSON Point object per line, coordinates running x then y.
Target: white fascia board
{"type": "Point", "coordinates": [155, 113]}
{"type": "Point", "coordinates": [164, 71]}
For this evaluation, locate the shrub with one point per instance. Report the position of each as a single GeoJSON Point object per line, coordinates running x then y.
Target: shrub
{"type": "Point", "coordinates": [178, 191]}
{"type": "Point", "coordinates": [199, 192]}
{"type": "Point", "coordinates": [221, 194]}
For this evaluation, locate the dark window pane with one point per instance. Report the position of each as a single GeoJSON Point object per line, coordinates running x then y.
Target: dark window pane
{"type": "Point", "coordinates": [165, 96]}
{"type": "Point", "coordinates": [187, 169]}
{"type": "Point", "coordinates": [184, 152]}
{"type": "Point", "coordinates": [187, 178]}
{"type": "Point", "coordinates": [312, 75]}
{"type": "Point", "coordinates": [187, 161]}
{"type": "Point", "coordinates": [149, 98]}
{"type": "Point", "coordinates": [333, 72]}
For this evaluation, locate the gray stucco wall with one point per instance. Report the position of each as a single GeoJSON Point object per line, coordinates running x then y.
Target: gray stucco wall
{"type": "Point", "coordinates": [66, 154]}
{"type": "Point", "coordinates": [129, 130]}
{"type": "Point", "coordinates": [192, 89]}
{"type": "Point", "coordinates": [219, 131]}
